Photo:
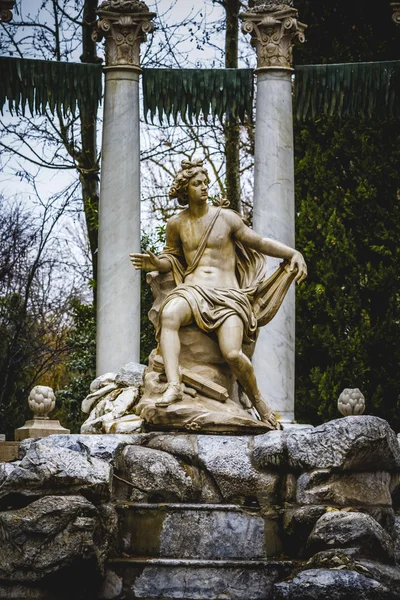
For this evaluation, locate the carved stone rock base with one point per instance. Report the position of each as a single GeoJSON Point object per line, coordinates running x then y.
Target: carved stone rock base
{"type": "Point", "coordinates": [194, 413]}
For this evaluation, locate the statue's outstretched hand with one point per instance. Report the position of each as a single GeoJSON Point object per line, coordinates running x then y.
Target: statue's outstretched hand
{"type": "Point", "coordinates": [146, 262]}
{"type": "Point", "coordinates": [299, 264]}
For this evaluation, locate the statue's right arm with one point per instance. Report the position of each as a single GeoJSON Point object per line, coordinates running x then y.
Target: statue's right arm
{"type": "Point", "coordinates": [151, 262]}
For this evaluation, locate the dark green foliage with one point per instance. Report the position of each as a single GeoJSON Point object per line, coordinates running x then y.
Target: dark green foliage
{"type": "Point", "coordinates": [17, 371]}
{"type": "Point", "coordinates": [366, 89]}
{"type": "Point", "coordinates": [190, 92]}
{"type": "Point", "coordinates": [348, 311]}
{"type": "Point", "coordinates": [45, 84]}
{"type": "Point", "coordinates": [81, 366]}
{"type": "Point", "coordinates": [347, 202]}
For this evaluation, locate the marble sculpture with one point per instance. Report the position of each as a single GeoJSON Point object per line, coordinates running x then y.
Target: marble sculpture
{"type": "Point", "coordinates": [211, 296]}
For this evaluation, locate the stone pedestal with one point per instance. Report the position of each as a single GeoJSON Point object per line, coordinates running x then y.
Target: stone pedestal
{"type": "Point", "coordinates": [38, 428]}
{"type": "Point", "coordinates": [190, 516]}
{"type": "Point", "coordinates": [8, 451]}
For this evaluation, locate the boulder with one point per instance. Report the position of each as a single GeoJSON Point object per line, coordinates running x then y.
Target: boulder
{"type": "Point", "coordinates": [130, 375]}
{"type": "Point", "coordinates": [270, 450]}
{"type": "Point", "coordinates": [51, 534]}
{"type": "Point", "coordinates": [102, 446]}
{"type": "Point", "coordinates": [396, 539]}
{"type": "Point", "coordinates": [155, 476]}
{"type": "Point", "coordinates": [298, 523]}
{"type": "Point", "coordinates": [344, 489]}
{"type": "Point", "coordinates": [332, 584]}
{"type": "Point", "coordinates": [339, 529]}
{"type": "Point", "coordinates": [359, 443]}
{"type": "Point", "coordinates": [227, 460]}
{"type": "Point", "coordinates": [47, 469]}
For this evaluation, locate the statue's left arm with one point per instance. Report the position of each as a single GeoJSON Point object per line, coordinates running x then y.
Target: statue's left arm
{"type": "Point", "coordinates": [267, 246]}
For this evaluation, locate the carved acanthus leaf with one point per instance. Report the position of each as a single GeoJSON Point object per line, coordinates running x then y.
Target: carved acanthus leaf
{"type": "Point", "coordinates": [274, 28]}
{"type": "Point", "coordinates": [6, 7]}
{"type": "Point", "coordinates": [396, 12]}
{"type": "Point", "coordinates": [129, 6]}
{"type": "Point", "coordinates": [124, 24]}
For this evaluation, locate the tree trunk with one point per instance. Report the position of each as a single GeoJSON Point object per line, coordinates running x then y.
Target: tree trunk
{"type": "Point", "coordinates": [88, 160]}
{"type": "Point", "coordinates": [231, 128]}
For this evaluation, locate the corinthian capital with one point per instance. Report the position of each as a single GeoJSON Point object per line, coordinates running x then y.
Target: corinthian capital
{"type": "Point", "coordinates": [6, 7]}
{"type": "Point", "coordinates": [396, 12]}
{"type": "Point", "coordinates": [274, 29]}
{"type": "Point", "coordinates": [124, 24]}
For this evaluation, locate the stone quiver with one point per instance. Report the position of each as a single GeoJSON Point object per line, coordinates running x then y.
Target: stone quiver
{"type": "Point", "coordinates": [291, 514]}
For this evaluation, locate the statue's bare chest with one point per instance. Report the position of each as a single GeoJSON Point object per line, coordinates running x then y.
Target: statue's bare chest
{"type": "Point", "coordinates": [192, 232]}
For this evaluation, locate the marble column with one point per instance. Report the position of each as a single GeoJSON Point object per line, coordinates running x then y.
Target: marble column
{"type": "Point", "coordinates": [274, 28]}
{"type": "Point", "coordinates": [123, 24]}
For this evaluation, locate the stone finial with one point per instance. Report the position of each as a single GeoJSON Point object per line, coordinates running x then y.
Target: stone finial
{"type": "Point", "coordinates": [274, 29]}
{"type": "Point", "coordinates": [6, 7]}
{"type": "Point", "coordinates": [41, 401]}
{"type": "Point", "coordinates": [396, 12]}
{"type": "Point", "coordinates": [351, 402]}
{"type": "Point", "coordinates": [124, 24]}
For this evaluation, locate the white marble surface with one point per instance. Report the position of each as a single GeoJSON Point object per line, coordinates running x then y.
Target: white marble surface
{"type": "Point", "coordinates": [118, 312]}
{"type": "Point", "coordinates": [274, 217]}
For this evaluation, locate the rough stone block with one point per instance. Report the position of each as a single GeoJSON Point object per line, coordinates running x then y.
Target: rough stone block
{"type": "Point", "coordinates": [155, 476]}
{"type": "Point", "coordinates": [320, 584]}
{"type": "Point", "coordinates": [201, 531]}
{"type": "Point", "coordinates": [49, 470]}
{"type": "Point", "coordinates": [228, 460]}
{"type": "Point", "coordinates": [102, 446]}
{"type": "Point", "coordinates": [270, 450]}
{"type": "Point", "coordinates": [339, 529]}
{"type": "Point", "coordinates": [192, 580]}
{"type": "Point", "coordinates": [359, 443]}
{"type": "Point", "coordinates": [344, 489]}
{"type": "Point", "coordinates": [51, 534]}
{"type": "Point", "coordinates": [130, 374]}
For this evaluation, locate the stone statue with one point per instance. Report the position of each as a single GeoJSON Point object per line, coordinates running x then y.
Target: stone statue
{"type": "Point", "coordinates": [219, 284]}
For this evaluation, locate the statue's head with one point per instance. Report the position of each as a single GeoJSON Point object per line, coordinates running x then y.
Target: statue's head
{"type": "Point", "coordinates": [189, 169]}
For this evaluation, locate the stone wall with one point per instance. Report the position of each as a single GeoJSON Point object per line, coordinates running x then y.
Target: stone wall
{"type": "Point", "coordinates": [308, 513]}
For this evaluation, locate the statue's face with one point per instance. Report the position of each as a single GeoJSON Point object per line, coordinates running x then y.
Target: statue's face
{"type": "Point", "coordinates": [198, 189]}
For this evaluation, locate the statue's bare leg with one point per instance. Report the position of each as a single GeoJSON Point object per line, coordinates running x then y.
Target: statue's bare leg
{"type": "Point", "coordinates": [230, 338]}
{"type": "Point", "coordinates": [176, 314]}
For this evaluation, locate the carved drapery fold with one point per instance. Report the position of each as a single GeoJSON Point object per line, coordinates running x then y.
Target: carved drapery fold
{"type": "Point", "coordinates": [396, 12]}
{"type": "Point", "coordinates": [124, 24]}
{"type": "Point", "coordinates": [6, 7]}
{"type": "Point", "coordinates": [274, 28]}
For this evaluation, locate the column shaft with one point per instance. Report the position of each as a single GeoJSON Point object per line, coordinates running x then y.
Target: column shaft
{"type": "Point", "coordinates": [118, 312]}
{"type": "Point", "coordinates": [273, 217]}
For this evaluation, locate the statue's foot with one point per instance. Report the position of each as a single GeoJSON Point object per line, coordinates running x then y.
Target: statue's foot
{"type": "Point", "coordinates": [266, 414]}
{"type": "Point", "coordinates": [172, 394]}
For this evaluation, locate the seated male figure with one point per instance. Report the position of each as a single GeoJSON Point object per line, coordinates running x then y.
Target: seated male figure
{"type": "Point", "coordinates": [201, 249]}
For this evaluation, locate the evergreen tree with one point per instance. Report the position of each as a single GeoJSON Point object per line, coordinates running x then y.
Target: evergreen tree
{"type": "Point", "coordinates": [347, 199]}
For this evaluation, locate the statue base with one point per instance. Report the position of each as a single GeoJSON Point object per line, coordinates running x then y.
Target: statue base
{"type": "Point", "coordinates": [39, 428]}
{"type": "Point", "coordinates": [289, 514]}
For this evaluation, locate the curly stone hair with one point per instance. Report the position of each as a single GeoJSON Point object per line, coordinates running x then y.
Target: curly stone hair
{"type": "Point", "coordinates": [189, 169]}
